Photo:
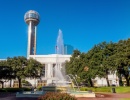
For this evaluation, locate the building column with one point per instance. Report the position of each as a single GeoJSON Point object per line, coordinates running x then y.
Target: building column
{"type": "Point", "coordinates": [45, 70]}
{"type": "Point", "coordinates": [49, 70]}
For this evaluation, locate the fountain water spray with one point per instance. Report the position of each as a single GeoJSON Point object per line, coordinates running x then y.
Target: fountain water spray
{"type": "Point", "coordinates": [75, 81]}
{"type": "Point", "coordinates": [60, 43]}
{"type": "Point", "coordinates": [59, 50]}
{"type": "Point", "coordinates": [60, 75]}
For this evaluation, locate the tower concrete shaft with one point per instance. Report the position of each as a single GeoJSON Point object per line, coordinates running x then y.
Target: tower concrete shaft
{"type": "Point", "coordinates": [31, 39]}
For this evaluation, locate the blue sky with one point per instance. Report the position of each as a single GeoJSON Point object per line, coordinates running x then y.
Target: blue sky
{"type": "Point", "coordinates": [84, 23]}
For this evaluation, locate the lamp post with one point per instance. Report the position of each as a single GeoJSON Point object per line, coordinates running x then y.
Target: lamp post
{"type": "Point", "coordinates": [102, 81]}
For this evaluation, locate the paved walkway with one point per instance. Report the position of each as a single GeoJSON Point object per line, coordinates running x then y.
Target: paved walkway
{"type": "Point", "coordinates": [108, 96]}
{"type": "Point", "coordinates": [99, 96]}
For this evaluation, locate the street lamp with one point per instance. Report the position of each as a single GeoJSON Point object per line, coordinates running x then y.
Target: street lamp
{"type": "Point", "coordinates": [102, 81]}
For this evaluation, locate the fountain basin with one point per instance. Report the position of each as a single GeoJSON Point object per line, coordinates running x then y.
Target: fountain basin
{"type": "Point", "coordinates": [30, 94]}
{"type": "Point", "coordinates": [55, 89]}
{"type": "Point", "coordinates": [82, 94]}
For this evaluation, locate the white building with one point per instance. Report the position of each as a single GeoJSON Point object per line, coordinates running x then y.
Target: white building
{"type": "Point", "coordinates": [112, 78]}
{"type": "Point", "coordinates": [50, 61]}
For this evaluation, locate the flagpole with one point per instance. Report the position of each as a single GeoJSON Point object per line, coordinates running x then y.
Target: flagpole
{"type": "Point", "coordinates": [56, 63]}
{"type": "Point", "coordinates": [55, 49]}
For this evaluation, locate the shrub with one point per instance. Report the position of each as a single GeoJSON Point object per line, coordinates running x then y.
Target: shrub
{"type": "Point", "coordinates": [3, 90]}
{"type": "Point", "coordinates": [14, 89]}
{"type": "Point", "coordinates": [26, 89]}
{"type": "Point", "coordinates": [83, 89]}
{"type": "Point", "coordinates": [39, 88]}
{"type": "Point", "coordinates": [58, 90]}
{"type": "Point", "coordinates": [57, 96]}
{"type": "Point", "coordinates": [103, 89]}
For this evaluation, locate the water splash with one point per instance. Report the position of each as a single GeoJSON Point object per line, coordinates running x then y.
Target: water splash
{"type": "Point", "coordinates": [60, 43]}
{"type": "Point", "coordinates": [59, 77]}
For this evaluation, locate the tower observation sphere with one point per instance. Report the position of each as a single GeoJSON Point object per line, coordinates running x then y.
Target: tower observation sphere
{"type": "Point", "coordinates": [32, 15]}
{"type": "Point", "coordinates": [32, 18]}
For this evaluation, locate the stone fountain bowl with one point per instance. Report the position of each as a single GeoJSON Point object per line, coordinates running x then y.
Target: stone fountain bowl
{"type": "Point", "coordinates": [82, 94]}
{"type": "Point", "coordinates": [65, 89]}
{"type": "Point", "coordinates": [54, 88]}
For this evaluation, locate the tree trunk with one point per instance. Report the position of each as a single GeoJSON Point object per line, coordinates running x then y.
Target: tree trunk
{"type": "Point", "coordinates": [127, 80]}
{"type": "Point", "coordinates": [120, 80]}
{"type": "Point", "coordinates": [10, 82]}
{"type": "Point", "coordinates": [108, 84]}
{"type": "Point", "coordinates": [19, 79]}
{"type": "Point", "coordinates": [2, 84]}
{"type": "Point", "coordinates": [91, 83]}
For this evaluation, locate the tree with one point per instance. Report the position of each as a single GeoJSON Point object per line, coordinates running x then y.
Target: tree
{"type": "Point", "coordinates": [18, 64]}
{"type": "Point", "coordinates": [100, 60]}
{"type": "Point", "coordinates": [122, 59]}
{"type": "Point", "coordinates": [23, 68]}
{"type": "Point", "coordinates": [34, 69]}
{"type": "Point", "coordinates": [72, 66]}
{"type": "Point", "coordinates": [5, 72]}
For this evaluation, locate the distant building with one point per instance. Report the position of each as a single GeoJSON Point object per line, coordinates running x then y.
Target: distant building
{"type": "Point", "coordinates": [68, 49]}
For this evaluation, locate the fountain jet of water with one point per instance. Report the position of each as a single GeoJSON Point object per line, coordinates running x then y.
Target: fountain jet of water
{"type": "Point", "coordinates": [71, 81]}
{"type": "Point", "coordinates": [74, 80]}
{"type": "Point", "coordinates": [60, 43]}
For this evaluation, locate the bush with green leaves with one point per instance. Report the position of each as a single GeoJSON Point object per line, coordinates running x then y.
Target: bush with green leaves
{"type": "Point", "coordinates": [39, 88]}
{"type": "Point", "coordinates": [83, 89]}
{"type": "Point", "coordinates": [96, 89]}
{"type": "Point", "coordinates": [14, 89]}
{"type": "Point", "coordinates": [57, 96]}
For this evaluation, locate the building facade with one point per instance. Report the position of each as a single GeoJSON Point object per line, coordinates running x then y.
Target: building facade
{"type": "Point", "coordinates": [50, 61]}
{"type": "Point", "coordinates": [112, 78]}
{"type": "Point", "coordinates": [68, 49]}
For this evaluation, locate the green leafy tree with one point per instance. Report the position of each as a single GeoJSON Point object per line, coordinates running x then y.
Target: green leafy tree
{"type": "Point", "coordinates": [18, 65]}
{"type": "Point", "coordinates": [72, 66]}
{"type": "Point", "coordinates": [101, 60]}
{"type": "Point", "coordinates": [34, 69]}
{"type": "Point", "coordinates": [122, 59]}
{"type": "Point", "coordinates": [5, 72]}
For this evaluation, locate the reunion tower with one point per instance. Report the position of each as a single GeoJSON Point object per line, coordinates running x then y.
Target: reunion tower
{"type": "Point", "coordinates": [32, 18]}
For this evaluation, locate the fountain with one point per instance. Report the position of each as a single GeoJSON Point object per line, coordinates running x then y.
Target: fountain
{"type": "Point", "coordinates": [59, 81]}
{"type": "Point", "coordinates": [75, 81]}
{"type": "Point", "coordinates": [60, 77]}
{"type": "Point", "coordinates": [60, 43]}
{"type": "Point", "coordinates": [71, 82]}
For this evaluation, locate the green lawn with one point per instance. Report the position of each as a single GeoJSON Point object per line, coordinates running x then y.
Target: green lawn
{"type": "Point", "coordinates": [94, 89]}
{"type": "Point", "coordinates": [125, 99]}
{"type": "Point", "coordinates": [123, 89]}
{"type": "Point", "coordinates": [107, 89]}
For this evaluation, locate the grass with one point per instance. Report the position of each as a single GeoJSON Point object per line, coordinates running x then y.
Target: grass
{"type": "Point", "coordinates": [14, 89]}
{"type": "Point", "coordinates": [125, 99]}
{"type": "Point", "coordinates": [123, 89]}
{"type": "Point", "coordinates": [107, 89]}
{"type": "Point", "coordinates": [94, 89]}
